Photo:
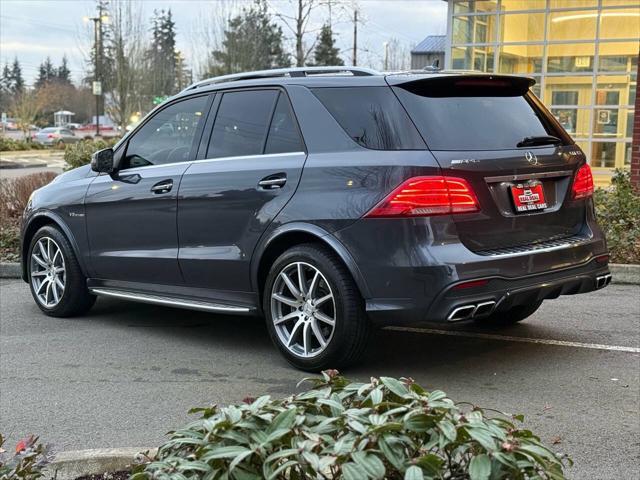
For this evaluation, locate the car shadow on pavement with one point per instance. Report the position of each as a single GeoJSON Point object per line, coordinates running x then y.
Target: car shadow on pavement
{"type": "Point", "coordinates": [389, 353]}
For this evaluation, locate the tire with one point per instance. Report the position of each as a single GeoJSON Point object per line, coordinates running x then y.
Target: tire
{"type": "Point", "coordinates": [345, 340]}
{"type": "Point", "coordinates": [74, 297]}
{"type": "Point", "coordinates": [511, 316]}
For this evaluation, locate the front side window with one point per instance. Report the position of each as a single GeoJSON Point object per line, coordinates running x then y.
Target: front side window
{"type": "Point", "coordinates": [168, 136]}
{"type": "Point", "coordinates": [242, 123]}
{"type": "Point", "coordinates": [372, 116]}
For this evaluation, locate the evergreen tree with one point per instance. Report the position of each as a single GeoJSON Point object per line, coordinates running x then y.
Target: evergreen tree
{"type": "Point", "coordinates": [252, 41]}
{"type": "Point", "coordinates": [46, 73]}
{"type": "Point", "coordinates": [63, 74]}
{"type": "Point", "coordinates": [5, 86]}
{"type": "Point", "coordinates": [17, 80]}
{"type": "Point", "coordinates": [5, 80]}
{"type": "Point", "coordinates": [326, 52]}
{"type": "Point", "coordinates": [161, 57]}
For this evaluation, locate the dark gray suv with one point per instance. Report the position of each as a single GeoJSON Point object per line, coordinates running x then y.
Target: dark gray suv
{"type": "Point", "coordinates": [328, 200]}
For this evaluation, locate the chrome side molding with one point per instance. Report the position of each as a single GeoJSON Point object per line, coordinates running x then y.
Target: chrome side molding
{"type": "Point", "coordinates": [169, 301]}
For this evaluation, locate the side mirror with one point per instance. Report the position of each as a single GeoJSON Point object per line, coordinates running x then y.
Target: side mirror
{"type": "Point", "coordinates": [102, 161]}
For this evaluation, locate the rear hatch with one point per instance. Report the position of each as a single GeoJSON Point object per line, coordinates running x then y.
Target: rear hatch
{"type": "Point", "coordinates": [494, 133]}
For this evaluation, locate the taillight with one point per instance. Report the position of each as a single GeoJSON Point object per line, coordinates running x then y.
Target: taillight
{"type": "Point", "coordinates": [423, 196]}
{"type": "Point", "coordinates": [53, 135]}
{"type": "Point", "coordinates": [583, 183]}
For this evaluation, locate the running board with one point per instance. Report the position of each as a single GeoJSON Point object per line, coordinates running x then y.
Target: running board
{"type": "Point", "coordinates": [170, 301]}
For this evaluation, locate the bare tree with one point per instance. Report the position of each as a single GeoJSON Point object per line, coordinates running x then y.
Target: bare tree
{"type": "Point", "coordinates": [207, 35]}
{"type": "Point", "coordinates": [25, 109]}
{"type": "Point", "coordinates": [398, 56]}
{"type": "Point", "coordinates": [299, 25]}
{"type": "Point", "coordinates": [127, 49]}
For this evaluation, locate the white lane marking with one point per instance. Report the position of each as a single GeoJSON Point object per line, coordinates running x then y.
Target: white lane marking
{"type": "Point", "coordinates": [509, 338]}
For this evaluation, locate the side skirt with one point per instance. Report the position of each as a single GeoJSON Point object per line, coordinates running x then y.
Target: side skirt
{"type": "Point", "coordinates": [240, 303]}
{"type": "Point", "coordinates": [172, 302]}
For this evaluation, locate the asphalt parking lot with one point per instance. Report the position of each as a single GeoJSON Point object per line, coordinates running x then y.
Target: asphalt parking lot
{"type": "Point", "coordinates": [127, 373]}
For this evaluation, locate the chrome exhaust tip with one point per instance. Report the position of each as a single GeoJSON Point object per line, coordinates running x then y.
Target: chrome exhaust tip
{"type": "Point", "coordinates": [461, 313]}
{"type": "Point", "coordinates": [603, 280]}
{"type": "Point", "coordinates": [483, 309]}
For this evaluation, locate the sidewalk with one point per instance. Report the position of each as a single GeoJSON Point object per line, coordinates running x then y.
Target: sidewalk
{"type": "Point", "coordinates": [32, 159]}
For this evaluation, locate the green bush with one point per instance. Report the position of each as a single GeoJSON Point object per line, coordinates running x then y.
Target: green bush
{"type": "Point", "coordinates": [12, 145]}
{"type": "Point", "coordinates": [79, 154]}
{"type": "Point", "coordinates": [618, 212]}
{"type": "Point", "coordinates": [388, 428]}
{"type": "Point", "coordinates": [27, 461]}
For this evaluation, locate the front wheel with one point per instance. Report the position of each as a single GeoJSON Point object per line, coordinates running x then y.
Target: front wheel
{"type": "Point", "coordinates": [315, 314]}
{"type": "Point", "coordinates": [56, 280]}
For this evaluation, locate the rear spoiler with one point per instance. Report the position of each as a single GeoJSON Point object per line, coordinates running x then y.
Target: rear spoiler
{"type": "Point", "coordinates": [463, 84]}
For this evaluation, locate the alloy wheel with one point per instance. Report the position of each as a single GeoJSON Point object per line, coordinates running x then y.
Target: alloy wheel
{"type": "Point", "coordinates": [47, 272]}
{"type": "Point", "coordinates": [303, 309]}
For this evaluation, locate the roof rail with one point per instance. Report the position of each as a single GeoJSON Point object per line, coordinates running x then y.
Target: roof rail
{"type": "Point", "coordinates": [284, 72]}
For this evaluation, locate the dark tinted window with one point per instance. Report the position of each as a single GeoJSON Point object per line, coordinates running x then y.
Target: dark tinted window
{"type": "Point", "coordinates": [167, 137]}
{"type": "Point", "coordinates": [372, 116]}
{"type": "Point", "coordinates": [473, 121]}
{"type": "Point", "coordinates": [242, 123]}
{"type": "Point", "coordinates": [283, 132]}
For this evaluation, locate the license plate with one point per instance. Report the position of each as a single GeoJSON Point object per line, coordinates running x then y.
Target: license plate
{"type": "Point", "coordinates": [528, 197]}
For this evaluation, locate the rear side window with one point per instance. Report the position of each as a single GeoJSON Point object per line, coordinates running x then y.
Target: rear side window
{"type": "Point", "coordinates": [242, 123]}
{"type": "Point", "coordinates": [470, 119]}
{"type": "Point", "coordinates": [372, 116]}
{"type": "Point", "coordinates": [283, 131]}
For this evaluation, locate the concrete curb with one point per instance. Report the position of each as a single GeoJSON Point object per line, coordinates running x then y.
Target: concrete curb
{"type": "Point", "coordinates": [72, 464]}
{"type": "Point", "coordinates": [10, 270]}
{"type": "Point", "coordinates": [625, 274]}
{"type": "Point", "coordinates": [622, 274]}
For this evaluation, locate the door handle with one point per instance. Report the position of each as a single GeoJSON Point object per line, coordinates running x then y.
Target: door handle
{"type": "Point", "coordinates": [273, 182]}
{"type": "Point", "coordinates": [164, 186]}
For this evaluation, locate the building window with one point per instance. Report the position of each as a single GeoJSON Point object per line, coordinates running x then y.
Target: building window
{"type": "Point", "coordinates": [582, 53]}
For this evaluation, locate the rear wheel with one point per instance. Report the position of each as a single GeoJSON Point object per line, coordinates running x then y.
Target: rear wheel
{"type": "Point", "coordinates": [512, 316]}
{"type": "Point", "coordinates": [55, 278]}
{"type": "Point", "coordinates": [315, 314]}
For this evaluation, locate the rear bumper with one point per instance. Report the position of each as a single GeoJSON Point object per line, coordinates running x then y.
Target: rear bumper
{"type": "Point", "coordinates": [412, 269]}
{"type": "Point", "coordinates": [499, 294]}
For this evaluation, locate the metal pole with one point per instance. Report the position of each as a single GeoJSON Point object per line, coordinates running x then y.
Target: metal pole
{"type": "Point", "coordinates": [355, 37]}
{"type": "Point", "coordinates": [97, 73]}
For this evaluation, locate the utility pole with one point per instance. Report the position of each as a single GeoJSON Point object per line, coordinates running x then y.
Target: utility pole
{"type": "Point", "coordinates": [97, 84]}
{"type": "Point", "coordinates": [355, 37]}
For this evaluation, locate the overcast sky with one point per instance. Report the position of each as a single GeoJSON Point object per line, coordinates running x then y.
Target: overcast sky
{"type": "Point", "coordinates": [35, 29]}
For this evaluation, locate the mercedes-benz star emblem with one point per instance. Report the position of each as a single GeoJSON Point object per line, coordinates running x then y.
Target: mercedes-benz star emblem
{"type": "Point", "coordinates": [531, 158]}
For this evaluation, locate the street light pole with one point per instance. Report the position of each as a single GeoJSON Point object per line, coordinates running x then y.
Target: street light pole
{"type": "Point", "coordinates": [97, 84]}
{"type": "Point", "coordinates": [96, 74]}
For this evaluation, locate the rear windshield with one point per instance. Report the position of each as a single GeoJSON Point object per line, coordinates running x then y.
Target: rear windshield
{"type": "Point", "coordinates": [372, 116]}
{"type": "Point", "coordinates": [473, 119]}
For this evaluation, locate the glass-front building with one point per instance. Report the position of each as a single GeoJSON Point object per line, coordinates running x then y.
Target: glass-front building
{"type": "Point", "coordinates": [582, 53]}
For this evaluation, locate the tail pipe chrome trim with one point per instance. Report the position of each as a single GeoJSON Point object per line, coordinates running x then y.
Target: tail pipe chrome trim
{"type": "Point", "coordinates": [603, 280]}
{"type": "Point", "coordinates": [473, 310]}
{"type": "Point", "coordinates": [170, 301]}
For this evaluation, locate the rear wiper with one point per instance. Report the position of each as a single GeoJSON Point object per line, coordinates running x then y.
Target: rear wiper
{"type": "Point", "coordinates": [538, 140]}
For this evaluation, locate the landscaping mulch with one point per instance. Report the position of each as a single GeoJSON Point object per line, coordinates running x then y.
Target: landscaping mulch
{"type": "Point", "coordinates": [120, 475]}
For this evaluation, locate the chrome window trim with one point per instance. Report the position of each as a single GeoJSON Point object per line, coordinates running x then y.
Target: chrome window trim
{"type": "Point", "coordinates": [190, 162]}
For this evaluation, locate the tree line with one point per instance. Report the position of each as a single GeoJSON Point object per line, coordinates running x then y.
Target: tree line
{"type": "Point", "coordinates": [139, 64]}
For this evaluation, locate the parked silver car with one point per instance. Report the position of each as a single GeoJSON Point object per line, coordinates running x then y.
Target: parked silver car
{"type": "Point", "coordinates": [56, 136]}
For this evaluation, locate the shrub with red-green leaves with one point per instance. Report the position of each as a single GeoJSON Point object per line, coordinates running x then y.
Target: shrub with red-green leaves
{"type": "Point", "coordinates": [384, 429]}
{"type": "Point", "coordinates": [26, 461]}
